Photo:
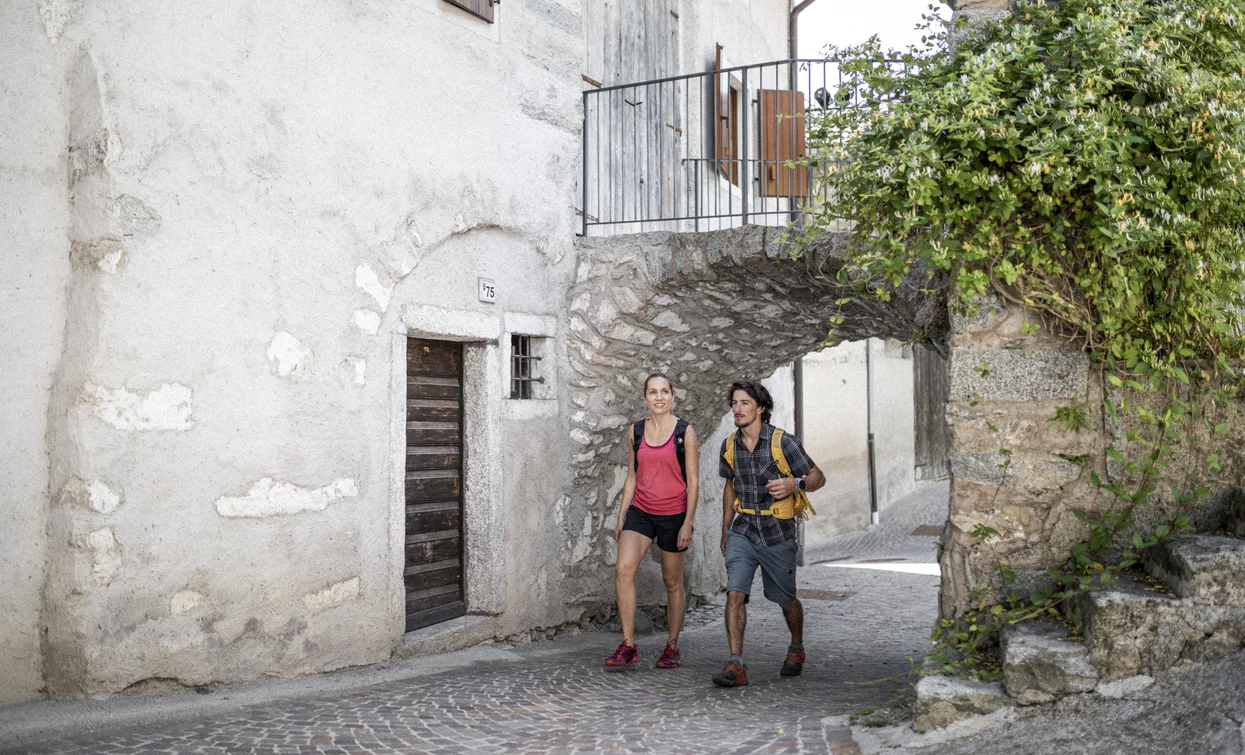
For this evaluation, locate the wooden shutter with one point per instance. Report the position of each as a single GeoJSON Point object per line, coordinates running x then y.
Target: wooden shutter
{"type": "Point", "coordinates": [481, 8]}
{"type": "Point", "coordinates": [433, 567]}
{"type": "Point", "coordinates": [726, 129]}
{"type": "Point", "coordinates": [782, 140]}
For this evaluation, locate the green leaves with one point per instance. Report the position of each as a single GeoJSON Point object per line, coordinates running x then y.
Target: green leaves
{"type": "Point", "coordinates": [1087, 156]}
{"type": "Point", "coordinates": [1073, 417]}
{"type": "Point", "coordinates": [983, 531]}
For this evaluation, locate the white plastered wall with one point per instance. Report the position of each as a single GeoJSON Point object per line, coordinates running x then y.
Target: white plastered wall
{"type": "Point", "coordinates": [259, 194]}
{"type": "Point", "coordinates": [34, 270]}
{"type": "Point", "coordinates": [836, 432]}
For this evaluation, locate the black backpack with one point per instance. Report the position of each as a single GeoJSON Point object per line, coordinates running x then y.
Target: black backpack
{"type": "Point", "coordinates": [680, 433]}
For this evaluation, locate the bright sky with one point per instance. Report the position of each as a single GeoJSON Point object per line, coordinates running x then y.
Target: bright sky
{"type": "Point", "coordinates": [848, 22]}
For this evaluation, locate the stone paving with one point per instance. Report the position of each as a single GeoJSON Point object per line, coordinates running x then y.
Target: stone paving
{"type": "Point", "coordinates": [863, 630]}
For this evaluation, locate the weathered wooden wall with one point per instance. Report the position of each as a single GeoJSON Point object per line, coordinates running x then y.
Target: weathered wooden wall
{"type": "Point", "coordinates": [930, 385]}
{"type": "Point", "coordinates": [638, 130]}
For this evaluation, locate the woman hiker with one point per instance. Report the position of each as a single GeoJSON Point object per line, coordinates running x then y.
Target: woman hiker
{"type": "Point", "coordinates": [658, 503]}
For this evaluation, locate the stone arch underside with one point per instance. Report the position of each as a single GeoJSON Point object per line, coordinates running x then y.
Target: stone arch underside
{"type": "Point", "coordinates": [707, 309]}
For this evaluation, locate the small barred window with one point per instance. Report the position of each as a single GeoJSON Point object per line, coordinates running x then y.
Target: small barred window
{"type": "Point", "coordinates": [524, 367]}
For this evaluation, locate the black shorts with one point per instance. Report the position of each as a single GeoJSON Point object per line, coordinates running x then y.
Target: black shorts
{"type": "Point", "coordinates": [663, 529]}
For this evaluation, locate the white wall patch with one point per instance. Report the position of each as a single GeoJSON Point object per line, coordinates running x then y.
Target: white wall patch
{"type": "Point", "coordinates": [288, 356]}
{"type": "Point", "coordinates": [185, 601]}
{"type": "Point", "coordinates": [332, 596]}
{"type": "Point", "coordinates": [583, 545]}
{"type": "Point", "coordinates": [359, 368]}
{"type": "Point", "coordinates": [270, 498]}
{"type": "Point", "coordinates": [367, 321]}
{"type": "Point", "coordinates": [94, 495]}
{"type": "Point", "coordinates": [166, 408]}
{"type": "Point", "coordinates": [56, 14]}
{"type": "Point", "coordinates": [105, 555]}
{"type": "Point", "coordinates": [367, 281]}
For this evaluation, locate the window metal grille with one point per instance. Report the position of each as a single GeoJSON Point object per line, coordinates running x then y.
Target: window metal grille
{"type": "Point", "coordinates": [523, 366]}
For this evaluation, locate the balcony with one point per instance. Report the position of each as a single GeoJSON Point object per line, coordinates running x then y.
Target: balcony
{"type": "Point", "coordinates": [705, 151]}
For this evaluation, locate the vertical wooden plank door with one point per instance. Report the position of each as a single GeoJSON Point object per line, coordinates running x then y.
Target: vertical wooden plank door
{"type": "Point", "coordinates": [433, 570]}
{"type": "Point", "coordinates": [931, 386]}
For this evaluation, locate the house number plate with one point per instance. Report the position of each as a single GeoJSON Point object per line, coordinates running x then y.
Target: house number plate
{"type": "Point", "coordinates": [488, 290]}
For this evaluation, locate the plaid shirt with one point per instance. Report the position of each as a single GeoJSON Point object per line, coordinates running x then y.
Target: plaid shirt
{"type": "Point", "coordinates": [752, 470]}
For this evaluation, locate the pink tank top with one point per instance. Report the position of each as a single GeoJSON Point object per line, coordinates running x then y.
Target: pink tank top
{"type": "Point", "coordinates": [659, 486]}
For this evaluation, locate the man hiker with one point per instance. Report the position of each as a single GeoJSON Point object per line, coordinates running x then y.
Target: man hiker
{"type": "Point", "coordinates": [767, 473]}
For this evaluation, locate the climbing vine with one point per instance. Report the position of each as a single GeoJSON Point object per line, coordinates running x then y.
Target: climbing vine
{"type": "Point", "coordinates": [1085, 160]}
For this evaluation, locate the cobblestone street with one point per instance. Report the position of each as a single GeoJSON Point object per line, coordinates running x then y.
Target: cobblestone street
{"type": "Point", "coordinates": [863, 628]}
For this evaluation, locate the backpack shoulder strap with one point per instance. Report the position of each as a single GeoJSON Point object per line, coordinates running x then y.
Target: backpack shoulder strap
{"type": "Point", "coordinates": [680, 438]}
{"type": "Point", "coordinates": [775, 450]}
{"type": "Point", "coordinates": [730, 450]}
{"type": "Point", "coordinates": [637, 435]}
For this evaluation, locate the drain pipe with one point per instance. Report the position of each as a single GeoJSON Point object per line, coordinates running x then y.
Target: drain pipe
{"type": "Point", "coordinates": [793, 52]}
{"type": "Point", "coordinates": [873, 474]}
{"type": "Point", "coordinates": [797, 380]}
{"type": "Point", "coordinates": [793, 35]}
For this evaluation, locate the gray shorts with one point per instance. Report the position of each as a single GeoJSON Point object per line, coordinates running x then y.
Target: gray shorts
{"type": "Point", "coordinates": [777, 564]}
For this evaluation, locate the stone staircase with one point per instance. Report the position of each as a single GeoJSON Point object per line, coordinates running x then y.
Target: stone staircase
{"type": "Point", "coordinates": [1190, 607]}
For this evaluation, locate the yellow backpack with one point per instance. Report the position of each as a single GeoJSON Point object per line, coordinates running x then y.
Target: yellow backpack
{"type": "Point", "coordinates": [788, 508]}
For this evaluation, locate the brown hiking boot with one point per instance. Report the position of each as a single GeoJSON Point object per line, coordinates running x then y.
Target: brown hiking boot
{"type": "Point", "coordinates": [794, 663]}
{"type": "Point", "coordinates": [733, 675]}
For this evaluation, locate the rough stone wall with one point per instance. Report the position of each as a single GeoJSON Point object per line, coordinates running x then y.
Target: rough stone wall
{"type": "Point", "coordinates": [1005, 389]}
{"type": "Point", "coordinates": [708, 309]}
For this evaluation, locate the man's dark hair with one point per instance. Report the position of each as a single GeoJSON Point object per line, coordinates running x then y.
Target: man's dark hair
{"type": "Point", "coordinates": [758, 393]}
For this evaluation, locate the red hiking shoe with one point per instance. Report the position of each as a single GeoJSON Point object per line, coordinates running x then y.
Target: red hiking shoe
{"type": "Point", "coordinates": [733, 675]}
{"type": "Point", "coordinates": [625, 655]}
{"type": "Point", "coordinates": [669, 658]}
{"type": "Point", "coordinates": [794, 663]}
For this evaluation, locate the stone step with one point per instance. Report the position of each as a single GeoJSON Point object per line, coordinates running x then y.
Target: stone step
{"type": "Point", "coordinates": [1208, 569]}
{"type": "Point", "coordinates": [1121, 625]}
{"type": "Point", "coordinates": [943, 700]}
{"type": "Point", "coordinates": [1041, 663]}
{"type": "Point", "coordinates": [1137, 628]}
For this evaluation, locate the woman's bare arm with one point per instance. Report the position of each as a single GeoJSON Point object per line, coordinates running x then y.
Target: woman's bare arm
{"type": "Point", "coordinates": [691, 459]}
{"type": "Point", "coordinates": [628, 493]}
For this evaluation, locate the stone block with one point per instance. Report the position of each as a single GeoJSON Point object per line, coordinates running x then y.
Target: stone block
{"type": "Point", "coordinates": [997, 374]}
{"type": "Point", "coordinates": [1027, 426]}
{"type": "Point", "coordinates": [1030, 472]}
{"type": "Point", "coordinates": [1209, 569]}
{"type": "Point", "coordinates": [980, 5]}
{"type": "Point", "coordinates": [1041, 664]}
{"type": "Point", "coordinates": [1124, 687]}
{"type": "Point", "coordinates": [1131, 628]}
{"type": "Point", "coordinates": [943, 700]}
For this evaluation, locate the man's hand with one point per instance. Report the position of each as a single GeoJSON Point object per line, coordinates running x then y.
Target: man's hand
{"type": "Point", "coordinates": [723, 543]}
{"type": "Point", "coordinates": [783, 487]}
{"type": "Point", "coordinates": [685, 536]}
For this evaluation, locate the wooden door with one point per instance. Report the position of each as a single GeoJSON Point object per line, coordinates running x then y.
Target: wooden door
{"type": "Point", "coordinates": [433, 570]}
{"type": "Point", "coordinates": [931, 386]}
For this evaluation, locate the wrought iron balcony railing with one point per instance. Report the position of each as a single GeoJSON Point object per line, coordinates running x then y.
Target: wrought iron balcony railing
{"type": "Point", "coordinates": [704, 151]}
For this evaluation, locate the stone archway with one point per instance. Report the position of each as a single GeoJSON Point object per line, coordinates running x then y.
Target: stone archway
{"type": "Point", "coordinates": [707, 309]}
